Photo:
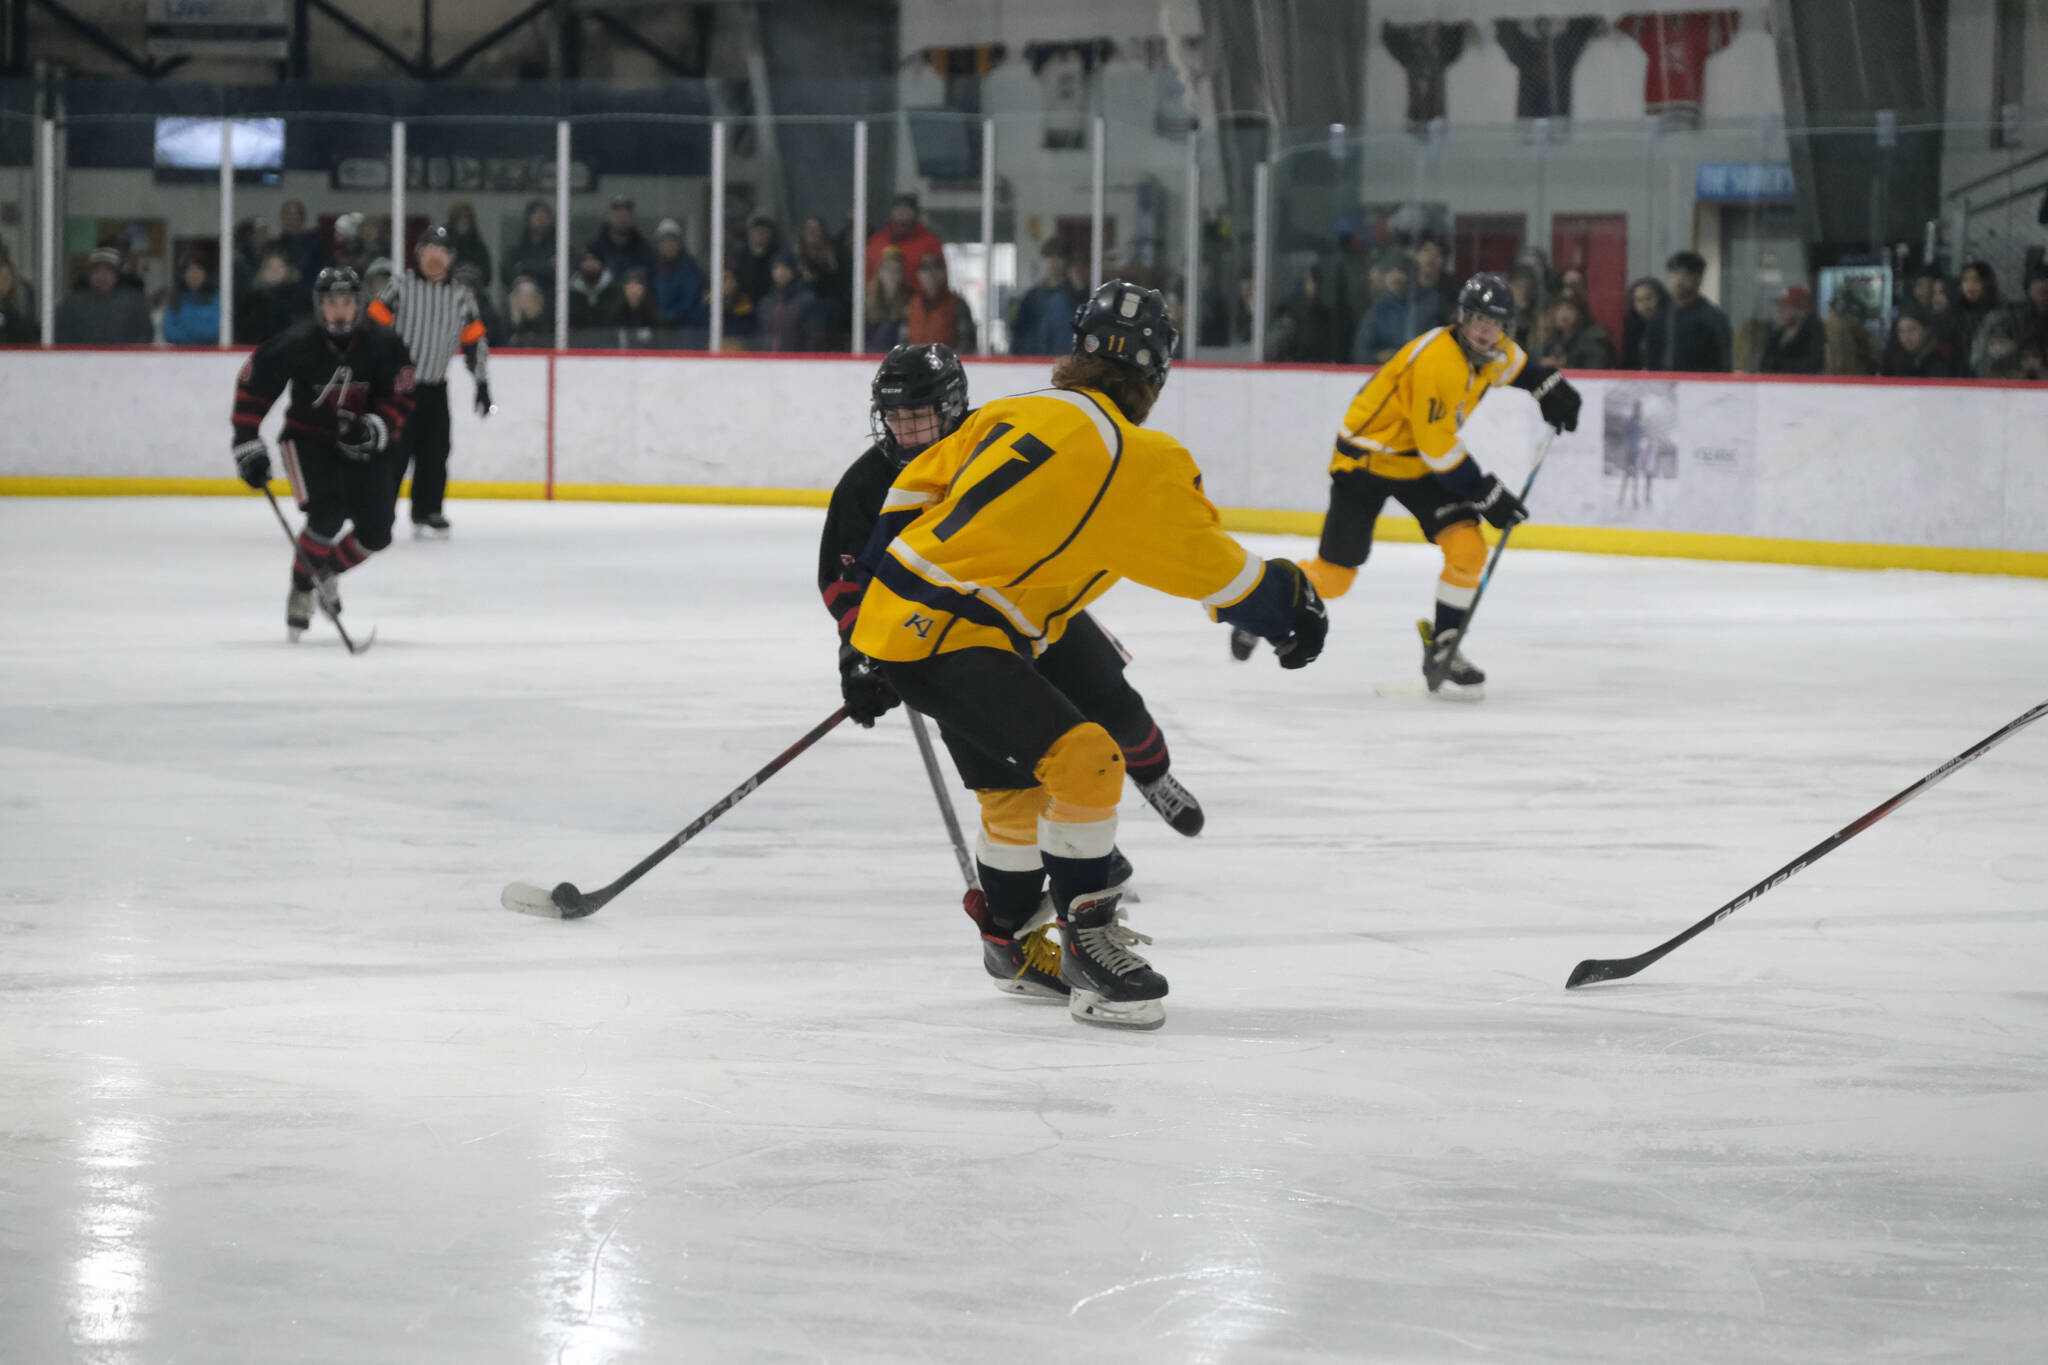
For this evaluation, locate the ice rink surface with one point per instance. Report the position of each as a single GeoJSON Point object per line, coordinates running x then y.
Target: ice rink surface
{"type": "Point", "coordinates": [280, 1082]}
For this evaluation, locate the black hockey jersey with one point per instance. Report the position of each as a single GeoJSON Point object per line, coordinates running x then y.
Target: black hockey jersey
{"type": "Point", "coordinates": [849, 524]}
{"type": "Point", "coordinates": [368, 372]}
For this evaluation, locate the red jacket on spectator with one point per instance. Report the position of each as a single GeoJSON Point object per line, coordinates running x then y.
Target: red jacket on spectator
{"type": "Point", "coordinates": [949, 321]}
{"type": "Point", "coordinates": [919, 242]}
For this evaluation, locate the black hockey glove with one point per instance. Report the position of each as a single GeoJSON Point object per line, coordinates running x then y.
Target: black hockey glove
{"type": "Point", "coordinates": [866, 691]}
{"type": "Point", "coordinates": [252, 462]}
{"type": "Point", "coordinates": [1307, 627]}
{"type": "Point", "coordinates": [485, 407]}
{"type": "Point", "coordinates": [1559, 403]}
{"type": "Point", "coordinates": [361, 437]}
{"type": "Point", "coordinates": [1499, 506]}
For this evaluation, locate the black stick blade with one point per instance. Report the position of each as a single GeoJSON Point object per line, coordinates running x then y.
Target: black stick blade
{"type": "Point", "coordinates": [1595, 969]}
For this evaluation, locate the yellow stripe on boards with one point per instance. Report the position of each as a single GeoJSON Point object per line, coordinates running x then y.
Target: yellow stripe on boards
{"type": "Point", "coordinates": [1594, 540]}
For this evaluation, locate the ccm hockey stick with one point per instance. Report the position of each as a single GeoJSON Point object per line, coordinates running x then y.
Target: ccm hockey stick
{"type": "Point", "coordinates": [1436, 664]}
{"type": "Point", "coordinates": [321, 598]}
{"type": "Point", "coordinates": [566, 902]}
{"type": "Point", "coordinates": [1595, 969]}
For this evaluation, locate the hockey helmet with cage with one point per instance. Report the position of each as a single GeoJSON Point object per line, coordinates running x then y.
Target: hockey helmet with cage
{"type": "Point", "coordinates": [1127, 323]}
{"type": "Point", "coordinates": [912, 377]}
{"type": "Point", "coordinates": [337, 282]}
{"type": "Point", "coordinates": [1487, 295]}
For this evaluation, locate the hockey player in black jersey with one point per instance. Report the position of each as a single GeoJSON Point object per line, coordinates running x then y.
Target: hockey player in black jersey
{"type": "Point", "coordinates": [351, 390]}
{"type": "Point", "coordinates": [920, 395]}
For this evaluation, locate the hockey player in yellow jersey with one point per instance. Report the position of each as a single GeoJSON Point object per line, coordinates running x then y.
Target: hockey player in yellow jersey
{"type": "Point", "coordinates": [991, 540]}
{"type": "Point", "coordinates": [1401, 440]}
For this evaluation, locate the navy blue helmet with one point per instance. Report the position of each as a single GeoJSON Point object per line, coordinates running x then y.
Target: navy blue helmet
{"type": "Point", "coordinates": [1488, 296]}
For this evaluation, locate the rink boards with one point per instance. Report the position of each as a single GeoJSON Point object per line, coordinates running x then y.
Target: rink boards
{"type": "Point", "coordinates": [1857, 473]}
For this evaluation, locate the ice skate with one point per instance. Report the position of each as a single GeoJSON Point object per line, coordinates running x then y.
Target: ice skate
{"type": "Point", "coordinates": [1176, 805]}
{"type": "Point", "coordinates": [1110, 985]}
{"type": "Point", "coordinates": [1023, 960]}
{"type": "Point", "coordinates": [1461, 681]}
{"type": "Point", "coordinates": [298, 612]}
{"type": "Point", "coordinates": [432, 526]}
{"type": "Point", "coordinates": [1242, 643]}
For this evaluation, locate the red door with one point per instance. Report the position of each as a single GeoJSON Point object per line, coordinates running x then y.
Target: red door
{"type": "Point", "coordinates": [1596, 243]}
{"type": "Point", "coordinates": [1486, 241]}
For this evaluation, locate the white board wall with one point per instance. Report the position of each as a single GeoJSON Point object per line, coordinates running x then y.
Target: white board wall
{"type": "Point", "coordinates": [1907, 464]}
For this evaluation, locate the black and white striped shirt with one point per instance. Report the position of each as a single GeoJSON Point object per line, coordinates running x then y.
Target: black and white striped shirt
{"type": "Point", "coordinates": [435, 318]}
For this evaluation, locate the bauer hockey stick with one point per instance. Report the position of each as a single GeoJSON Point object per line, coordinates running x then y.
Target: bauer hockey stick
{"type": "Point", "coordinates": [566, 902]}
{"type": "Point", "coordinates": [1613, 969]}
{"type": "Point", "coordinates": [1437, 666]}
{"type": "Point", "coordinates": [299, 556]}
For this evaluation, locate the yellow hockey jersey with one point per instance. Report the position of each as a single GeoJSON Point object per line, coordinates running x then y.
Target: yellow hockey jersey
{"type": "Point", "coordinates": [1404, 422]}
{"type": "Point", "coordinates": [1034, 508]}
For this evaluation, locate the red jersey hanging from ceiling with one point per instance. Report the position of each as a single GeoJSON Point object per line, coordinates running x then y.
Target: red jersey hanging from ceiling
{"type": "Point", "coordinates": [1424, 50]}
{"type": "Point", "coordinates": [1544, 52]}
{"type": "Point", "coordinates": [1678, 46]}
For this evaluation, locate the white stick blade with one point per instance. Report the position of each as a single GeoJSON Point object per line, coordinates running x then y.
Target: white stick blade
{"type": "Point", "coordinates": [528, 899]}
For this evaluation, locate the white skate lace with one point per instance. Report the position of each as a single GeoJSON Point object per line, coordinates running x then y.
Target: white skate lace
{"type": "Point", "coordinates": [1167, 796]}
{"type": "Point", "coordinates": [1110, 945]}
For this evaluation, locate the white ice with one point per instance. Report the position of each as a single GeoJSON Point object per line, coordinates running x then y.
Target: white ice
{"type": "Point", "coordinates": [280, 1082]}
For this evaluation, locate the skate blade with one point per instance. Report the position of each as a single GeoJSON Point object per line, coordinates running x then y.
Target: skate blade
{"type": "Point", "coordinates": [292, 633]}
{"type": "Point", "coordinates": [1087, 1007]}
{"type": "Point", "coordinates": [1027, 990]}
{"type": "Point", "coordinates": [1452, 692]}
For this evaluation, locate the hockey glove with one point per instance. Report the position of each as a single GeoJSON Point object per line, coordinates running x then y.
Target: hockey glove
{"type": "Point", "coordinates": [485, 407]}
{"type": "Point", "coordinates": [1499, 506]}
{"type": "Point", "coordinates": [252, 462]}
{"type": "Point", "coordinates": [361, 437]}
{"type": "Point", "coordinates": [1307, 627]}
{"type": "Point", "coordinates": [1559, 403]}
{"type": "Point", "coordinates": [866, 691]}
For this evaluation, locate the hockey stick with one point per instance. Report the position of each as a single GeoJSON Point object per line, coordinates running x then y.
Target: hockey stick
{"type": "Point", "coordinates": [299, 555]}
{"type": "Point", "coordinates": [566, 902]}
{"type": "Point", "coordinates": [1605, 969]}
{"type": "Point", "coordinates": [946, 811]}
{"type": "Point", "coordinates": [1436, 665]}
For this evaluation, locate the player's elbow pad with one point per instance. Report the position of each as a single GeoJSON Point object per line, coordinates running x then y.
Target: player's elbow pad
{"type": "Point", "coordinates": [1268, 609]}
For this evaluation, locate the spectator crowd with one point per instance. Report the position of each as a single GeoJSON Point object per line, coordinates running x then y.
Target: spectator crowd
{"type": "Point", "coordinates": [794, 294]}
{"type": "Point", "coordinates": [1359, 308]}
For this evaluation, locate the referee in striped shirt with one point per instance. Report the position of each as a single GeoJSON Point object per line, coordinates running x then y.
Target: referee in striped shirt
{"type": "Point", "coordinates": [436, 317]}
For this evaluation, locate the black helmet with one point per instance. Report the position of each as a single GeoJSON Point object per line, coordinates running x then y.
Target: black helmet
{"type": "Point", "coordinates": [337, 281]}
{"type": "Point", "coordinates": [1127, 323]}
{"type": "Point", "coordinates": [928, 376]}
{"type": "Point", "coordinates": [435, 236]}
{"type": "Point", "coordinates": [1487, 296]}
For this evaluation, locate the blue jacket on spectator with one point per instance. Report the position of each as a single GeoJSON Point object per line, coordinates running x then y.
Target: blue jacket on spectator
{"type": "Point", "coordinates": [1383, 330]}
{"type": "Point", "coordinates": [680, 291]}
{"type": "Point", "coordinates": [194, 320]}
{"type": "Point", "coordinates": [1045, 321]}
